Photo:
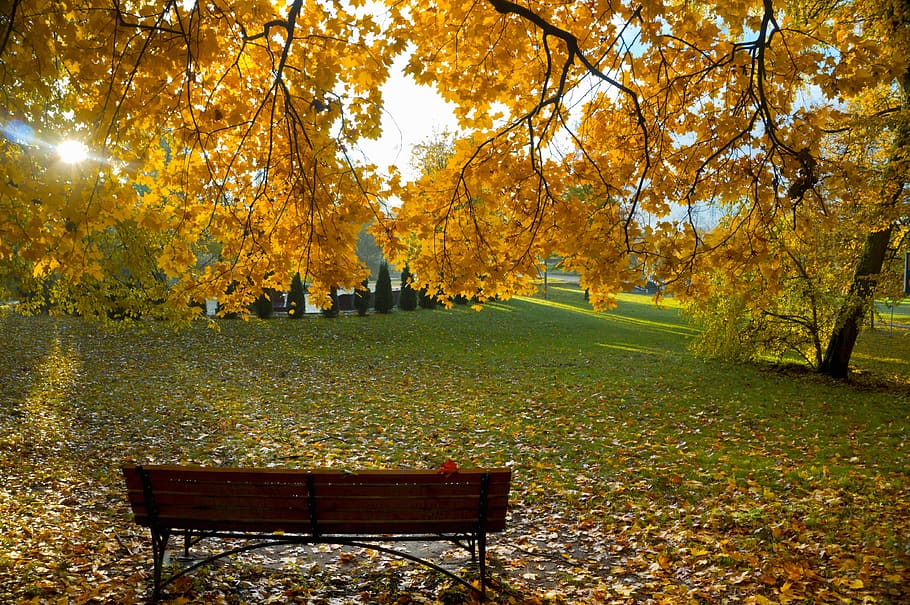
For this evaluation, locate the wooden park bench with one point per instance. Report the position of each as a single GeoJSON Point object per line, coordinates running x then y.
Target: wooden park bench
{"type": "Point", "coordinates": [266, 507]}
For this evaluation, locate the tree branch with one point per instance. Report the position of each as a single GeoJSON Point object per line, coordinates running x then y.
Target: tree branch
{"type": "Point", "coordinates": [11, 19]}
{"type": "Point", "coordinates": [506, 7]}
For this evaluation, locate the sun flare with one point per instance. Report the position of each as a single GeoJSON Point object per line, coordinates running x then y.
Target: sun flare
{"type": "Point", "coordinates": [72, 152]}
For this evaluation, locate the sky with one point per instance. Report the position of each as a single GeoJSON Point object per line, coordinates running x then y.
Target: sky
{"type": "Point", "coordinates": [412, 114]}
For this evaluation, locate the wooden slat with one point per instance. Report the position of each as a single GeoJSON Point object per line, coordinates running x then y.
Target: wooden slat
{"type": "Point", "coordinates": [322, 490]}
{"type": "Point", "coordinates": [237, 524]}
{"type": "Point", "coordinates": [230, 500]}
{"type": "Point", "coordinates": [361, 528]}
{"type": "Point", "coordinates": [402, 527]}
{"type": "Point", "coordinates": [278, 492]}
{"type": "Point", "coordinates": [194, 473]}
{"type": "Point", "coordinates": [267, 511]}
{"type": "Point", "coordinates": [379, 506]}
{"type": "Point", "coordinates": [283, 476]}
{"type": "Point", "coordinates": [187, 517]}
{"type": "Point", "coordinates": [364, 505]}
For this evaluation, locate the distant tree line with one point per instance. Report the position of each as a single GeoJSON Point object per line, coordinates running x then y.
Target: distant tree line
{"type": "Point", "coordinates": [383, 300]}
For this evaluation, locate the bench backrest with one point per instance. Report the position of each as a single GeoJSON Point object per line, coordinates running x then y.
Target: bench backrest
{"type": "Point", "coordinates": [319, 502]}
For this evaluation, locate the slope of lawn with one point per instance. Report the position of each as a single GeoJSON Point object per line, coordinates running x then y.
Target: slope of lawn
{"type": "Point", "coordinates": [893, 312]}
{"type": "Point", "coordinates": [641, 474]}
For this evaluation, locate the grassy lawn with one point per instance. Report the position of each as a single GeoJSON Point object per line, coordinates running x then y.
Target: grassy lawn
{"type": "Point", "coordinates": [641, 474]}
{"type": "Point", "coordinates": [898, 312]}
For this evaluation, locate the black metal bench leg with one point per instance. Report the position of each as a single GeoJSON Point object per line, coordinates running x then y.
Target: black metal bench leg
{"type": "Point", "coordinates": [159, 549]}
{"type": "Point", "coordinates": [482, 553]}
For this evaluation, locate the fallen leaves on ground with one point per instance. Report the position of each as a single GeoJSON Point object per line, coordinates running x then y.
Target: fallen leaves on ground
{"type": "Point", "coordinates": [623, 492]}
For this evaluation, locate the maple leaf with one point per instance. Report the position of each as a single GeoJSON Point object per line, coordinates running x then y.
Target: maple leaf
{"type": "Point", "coordinates": [449, 467]}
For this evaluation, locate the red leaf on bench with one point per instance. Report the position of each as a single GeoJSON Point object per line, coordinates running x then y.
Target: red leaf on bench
{"type": "Point", "coordinates": [448, 468]}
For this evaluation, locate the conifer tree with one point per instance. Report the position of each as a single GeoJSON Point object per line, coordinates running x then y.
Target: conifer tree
{"type": "Point", "coordinates": [407, 299]}
{"type": "Point", "coordinates": [296, 298]}
{"type": "Point", "coordinates": [384, 299]}
{"type": "Point", "coordinates": [426, 301]}
{"type": "Point", "coordinates": [263, 306]}
{"type": "Point", "coordinates": [362, 297]}
{"type": "Point", "coordinates": [332, 310]}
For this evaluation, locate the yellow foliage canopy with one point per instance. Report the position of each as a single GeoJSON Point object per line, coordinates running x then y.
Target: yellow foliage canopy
{"type": "Point", "coordinates": [613, 134]}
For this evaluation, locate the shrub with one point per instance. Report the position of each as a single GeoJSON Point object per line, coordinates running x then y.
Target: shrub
{"type": "Point", "coordinates": [384, 298]}
{"type": "Point", "coordinates": [362, 298]}
{"type": "Point", "coordinates": [426, 301]}
{"type": "Point", "coordinates": [407, 300]}
{"type": "Point", "coordinates": [332, 310]}
{"type": "Point", "coordinates": [263, 306]}
{"type": "Point", "coordinates": [296, 298]}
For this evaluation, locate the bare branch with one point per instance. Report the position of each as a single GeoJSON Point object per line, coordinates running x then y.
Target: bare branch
{"type": "Point", "coordinates": [10, 19]}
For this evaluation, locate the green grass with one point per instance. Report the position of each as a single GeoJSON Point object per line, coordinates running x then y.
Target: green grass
{"type": "Point", "coordinates": [654, 464]}
{"type": "Point", "coordinates": [898, 312]}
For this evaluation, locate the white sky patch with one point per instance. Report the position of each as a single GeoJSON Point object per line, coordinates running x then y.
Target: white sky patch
{"type": "Point", "coordinates": [412, 114]}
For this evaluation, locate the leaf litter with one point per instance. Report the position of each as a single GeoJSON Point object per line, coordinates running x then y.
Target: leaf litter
{"type": "Point", "coordinates": [636, 491]}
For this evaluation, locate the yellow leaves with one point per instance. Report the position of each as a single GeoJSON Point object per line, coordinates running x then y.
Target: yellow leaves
{"type": "Point", "coordinates": [480, 238]}
{"type": "Point", "coordinates": [623, 590]}
{"type": "Point", "coordinates": [787, 594]}
{"type": "Point", "coordinates": [45, 267]}
{"type": "Point", "coordinates": [218, 128]}
{"type": "Point", "coordinates": [175, 259]}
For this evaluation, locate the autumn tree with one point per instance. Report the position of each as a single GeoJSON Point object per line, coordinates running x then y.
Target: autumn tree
{"type": "Point", "coordinates": [888, 208]}
{"type": "Point", "coordinates": [657, 112]}
{"type": "Point", "coordinates": [434, 153]}
{"type": "Point", "coordinates": [224, 135]}
{"type": "Point", "coordinates": [790, 296]}
{"type": "Point", "coordinates": [226, 122]}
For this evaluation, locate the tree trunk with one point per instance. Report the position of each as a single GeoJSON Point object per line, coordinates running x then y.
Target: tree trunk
{"type": "Point", "coordinates": [836, 362]}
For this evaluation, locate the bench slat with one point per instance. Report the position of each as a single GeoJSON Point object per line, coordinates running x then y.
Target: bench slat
{"type": "Point", "coordinates": [424, 485]}
{"type": "Point", "coordinates": [341, 528]}
{"type": "Point", "coordinates": [323, 490]}
{"type": "Point", "coordinates": [329, 513]}
{"type": "Point", "coordinates": [263, 475]}
{"type": "Point", "coordinates": [370, 504]}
